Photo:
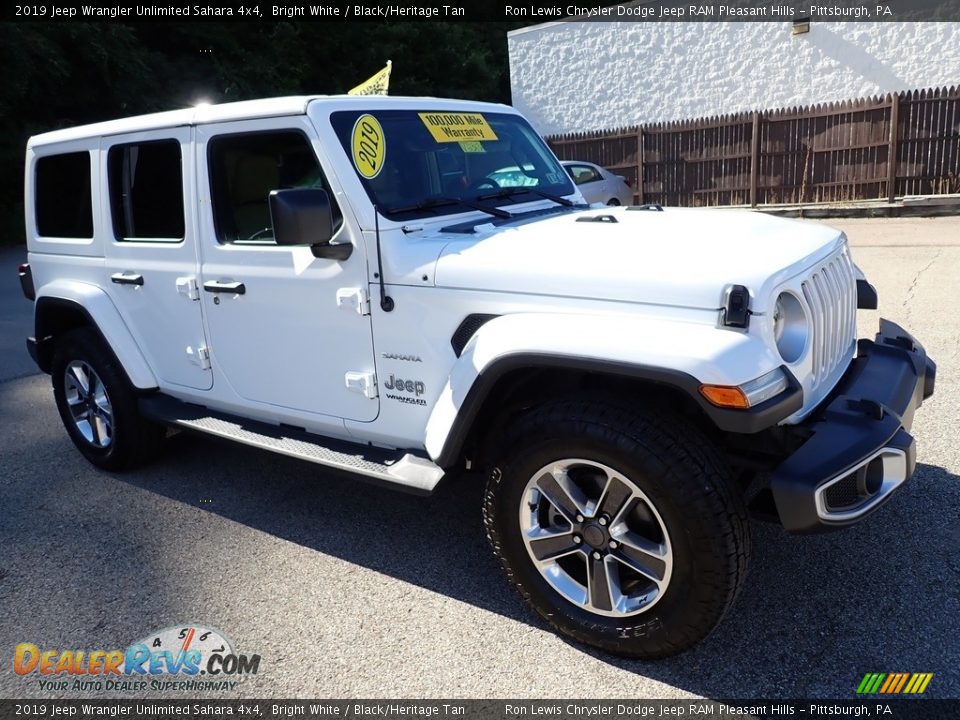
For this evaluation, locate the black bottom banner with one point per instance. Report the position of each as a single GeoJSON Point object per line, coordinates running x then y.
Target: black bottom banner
{"type": "Point", "coordinates": [872, 707]}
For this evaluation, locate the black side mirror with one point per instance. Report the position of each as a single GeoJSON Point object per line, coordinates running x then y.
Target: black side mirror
{"type": "Point", "coordinates": [302, 216]}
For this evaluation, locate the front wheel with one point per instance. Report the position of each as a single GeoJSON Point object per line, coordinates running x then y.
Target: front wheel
{"type": "Point", "coordinates": [620, 527]}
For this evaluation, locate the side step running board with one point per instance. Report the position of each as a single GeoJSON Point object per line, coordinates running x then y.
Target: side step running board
{"type": "Point", "coordinates": [396, 468]}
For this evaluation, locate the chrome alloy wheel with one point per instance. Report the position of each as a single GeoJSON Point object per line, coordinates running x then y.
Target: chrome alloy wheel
{"type": "Point", "coordinates": [89, 403]}
{"type": "Point", "coordinates": [596, 538]}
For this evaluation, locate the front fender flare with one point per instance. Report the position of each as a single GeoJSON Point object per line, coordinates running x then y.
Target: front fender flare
{"type": "Point", "coordinates": [682, 355]}
{"type": "Point", "coordinates": [103, 316]}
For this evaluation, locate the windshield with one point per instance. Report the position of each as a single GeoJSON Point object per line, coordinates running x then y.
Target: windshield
{"type": "Point", "coordinates": [420, 164]}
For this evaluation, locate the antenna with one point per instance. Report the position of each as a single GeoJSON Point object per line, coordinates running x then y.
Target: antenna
{"type": "Point", "coordinates": [386, 303]}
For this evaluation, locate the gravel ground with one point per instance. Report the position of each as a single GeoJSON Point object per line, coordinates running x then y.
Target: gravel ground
{"type": "Point", "coordinates": [347, 590]}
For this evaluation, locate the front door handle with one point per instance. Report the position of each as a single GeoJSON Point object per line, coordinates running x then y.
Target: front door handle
{"type": "Point", "coordinates": [225, 286]}
{"type": "Point", "coordinates": [127, 278]}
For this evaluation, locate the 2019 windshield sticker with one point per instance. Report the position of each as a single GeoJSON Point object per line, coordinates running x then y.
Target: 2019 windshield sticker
{"type": "Point", "coordinates": [457, 127]}
{"type": "Point", "coordinates": [369, 146]}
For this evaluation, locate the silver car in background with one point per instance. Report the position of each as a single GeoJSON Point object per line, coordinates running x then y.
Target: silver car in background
{"type": "Point", "coordinates": [598, 185]}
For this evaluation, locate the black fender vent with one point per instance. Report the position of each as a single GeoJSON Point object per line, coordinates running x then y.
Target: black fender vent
{"type": "Point", "coordinates": [467, 329]}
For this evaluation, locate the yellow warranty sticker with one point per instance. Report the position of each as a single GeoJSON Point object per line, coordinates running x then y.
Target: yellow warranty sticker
{"type": "Point", "coordinates": [471, 146]}
{"type": "Point", "coordinates": [369, 146]}
{"type": "Point", "coordinates": [457, 127]}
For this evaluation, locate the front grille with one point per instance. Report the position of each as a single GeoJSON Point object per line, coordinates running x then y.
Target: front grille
{"type": "Point", "coordinates": [831, 294]}
{"type": "Point", "coordinates": [844, 493]}
{"type": "Point", "coordinates": [864, 487]}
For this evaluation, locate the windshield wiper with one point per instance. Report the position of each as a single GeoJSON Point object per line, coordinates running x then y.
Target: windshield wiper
{"type": "Point", "coordinates": [510, 192]}
{"type": "Point", "coordinates": [435, 202]}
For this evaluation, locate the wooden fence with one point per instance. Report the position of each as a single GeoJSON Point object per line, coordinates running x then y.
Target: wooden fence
{"type": "Point", "coordinates": [825, 153]}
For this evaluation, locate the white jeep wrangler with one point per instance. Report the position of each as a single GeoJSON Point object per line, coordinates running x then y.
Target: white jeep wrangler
{"type": "Point", "coordinates": [405, 287]}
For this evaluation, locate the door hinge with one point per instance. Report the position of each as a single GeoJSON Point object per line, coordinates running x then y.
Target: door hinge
{"type": "Point", "coordinates": [199, 356]}
{"type": "Point", "coordinates": [188, 287]}
{"type": "Point", "coordinates": [354, 299]}
{"type": "Point", "coordinates": [363, 383]}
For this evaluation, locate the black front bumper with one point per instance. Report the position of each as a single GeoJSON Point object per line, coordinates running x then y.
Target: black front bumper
{"type": "Point", "coordinates": [859, 449]}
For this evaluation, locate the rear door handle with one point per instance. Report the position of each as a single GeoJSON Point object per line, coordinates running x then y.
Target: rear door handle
{"type": "Point", "coordinates": [127, 278]}
{"type": "Point", "coordinates": [225, 286]}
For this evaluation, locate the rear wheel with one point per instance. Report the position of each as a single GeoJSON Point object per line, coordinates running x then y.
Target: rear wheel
{"type": "Point", "coordinates": [98, 406]}
{"type": "Point", "coordinates": [619, 527]}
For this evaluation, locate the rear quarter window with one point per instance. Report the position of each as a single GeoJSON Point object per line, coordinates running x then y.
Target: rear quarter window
{"type": "Point", "coordinates": [61, 196]}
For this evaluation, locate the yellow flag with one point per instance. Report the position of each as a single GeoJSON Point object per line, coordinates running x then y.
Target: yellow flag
{"type": "Point", "coordinates": [376, 85]}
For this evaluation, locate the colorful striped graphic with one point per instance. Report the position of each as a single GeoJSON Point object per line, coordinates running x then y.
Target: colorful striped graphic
{"type": "Point", "coordinates": [894, 683]}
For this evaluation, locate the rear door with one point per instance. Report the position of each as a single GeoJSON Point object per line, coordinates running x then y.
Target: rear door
{"type": "Point", "coordinates": [151, 250]}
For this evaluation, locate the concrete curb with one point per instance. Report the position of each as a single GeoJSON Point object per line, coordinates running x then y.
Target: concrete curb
{"type": "Point", "coordinates": [910, 206]}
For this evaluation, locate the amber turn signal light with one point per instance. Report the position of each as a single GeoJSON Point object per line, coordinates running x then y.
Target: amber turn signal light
{"type": "Point", "coordinates": [725, 396]}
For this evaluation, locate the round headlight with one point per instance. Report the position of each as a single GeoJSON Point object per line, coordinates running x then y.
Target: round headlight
{"type": "Point", "coordinates": [790, 327]}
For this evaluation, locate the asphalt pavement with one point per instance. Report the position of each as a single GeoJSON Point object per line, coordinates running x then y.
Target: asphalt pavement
{"type": "Point", "coordinates": [16, 318]}
{"type": "Point", "coordinates": [348, 590]}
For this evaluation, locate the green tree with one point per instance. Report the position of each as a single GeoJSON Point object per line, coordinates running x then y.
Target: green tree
{"type": "Point", "coordinates": [63, 74]}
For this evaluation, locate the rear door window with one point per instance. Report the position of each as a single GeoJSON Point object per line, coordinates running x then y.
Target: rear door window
{"type": "Point", "coordinates": [146, 191]}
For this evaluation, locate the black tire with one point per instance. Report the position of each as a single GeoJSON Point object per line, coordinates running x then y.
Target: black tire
{"type": "Point", "coordinates": [684, 478]}
{"type": "Point", "coordinates": [613, 202]}
{"type": "Point", "coordinates": [132, 440]}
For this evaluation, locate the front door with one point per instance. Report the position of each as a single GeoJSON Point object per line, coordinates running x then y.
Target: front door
{"type": "Point", "coordinates": [286, 329]}
{"type": "Point", "coordinates": [151, 254]}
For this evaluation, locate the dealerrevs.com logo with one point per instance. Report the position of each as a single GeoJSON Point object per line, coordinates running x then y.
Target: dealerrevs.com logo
{"type": "Point", "coordinates": [190, 657]}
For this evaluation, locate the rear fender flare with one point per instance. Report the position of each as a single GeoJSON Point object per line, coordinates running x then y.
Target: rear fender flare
{"type": "Point", "coordinates": [102, 315]}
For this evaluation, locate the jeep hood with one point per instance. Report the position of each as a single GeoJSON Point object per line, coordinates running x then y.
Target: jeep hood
{"type": "Point", "coordinates": [680, 257]}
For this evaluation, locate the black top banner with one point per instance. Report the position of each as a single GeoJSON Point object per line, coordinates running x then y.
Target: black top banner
{"type": "Point", "coordinates": [514, 11]}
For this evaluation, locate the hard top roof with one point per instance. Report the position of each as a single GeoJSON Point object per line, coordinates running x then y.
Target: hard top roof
{"type": "Point", "coordinates": [249, 110]}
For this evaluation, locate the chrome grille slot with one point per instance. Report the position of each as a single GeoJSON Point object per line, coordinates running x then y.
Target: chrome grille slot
{"type": "Point", "coordinates": [842, 282]}
{"type": "Point", "coordinates": [850, 300]}
{"type": "Point", "coordinates": [830, 294]}
{"type": "Point", "coordinates": [834, 312]}
{"type": "Point", "coordinates": [812, 296]}
{"type": "Point", "coordinates": [829, 331]}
